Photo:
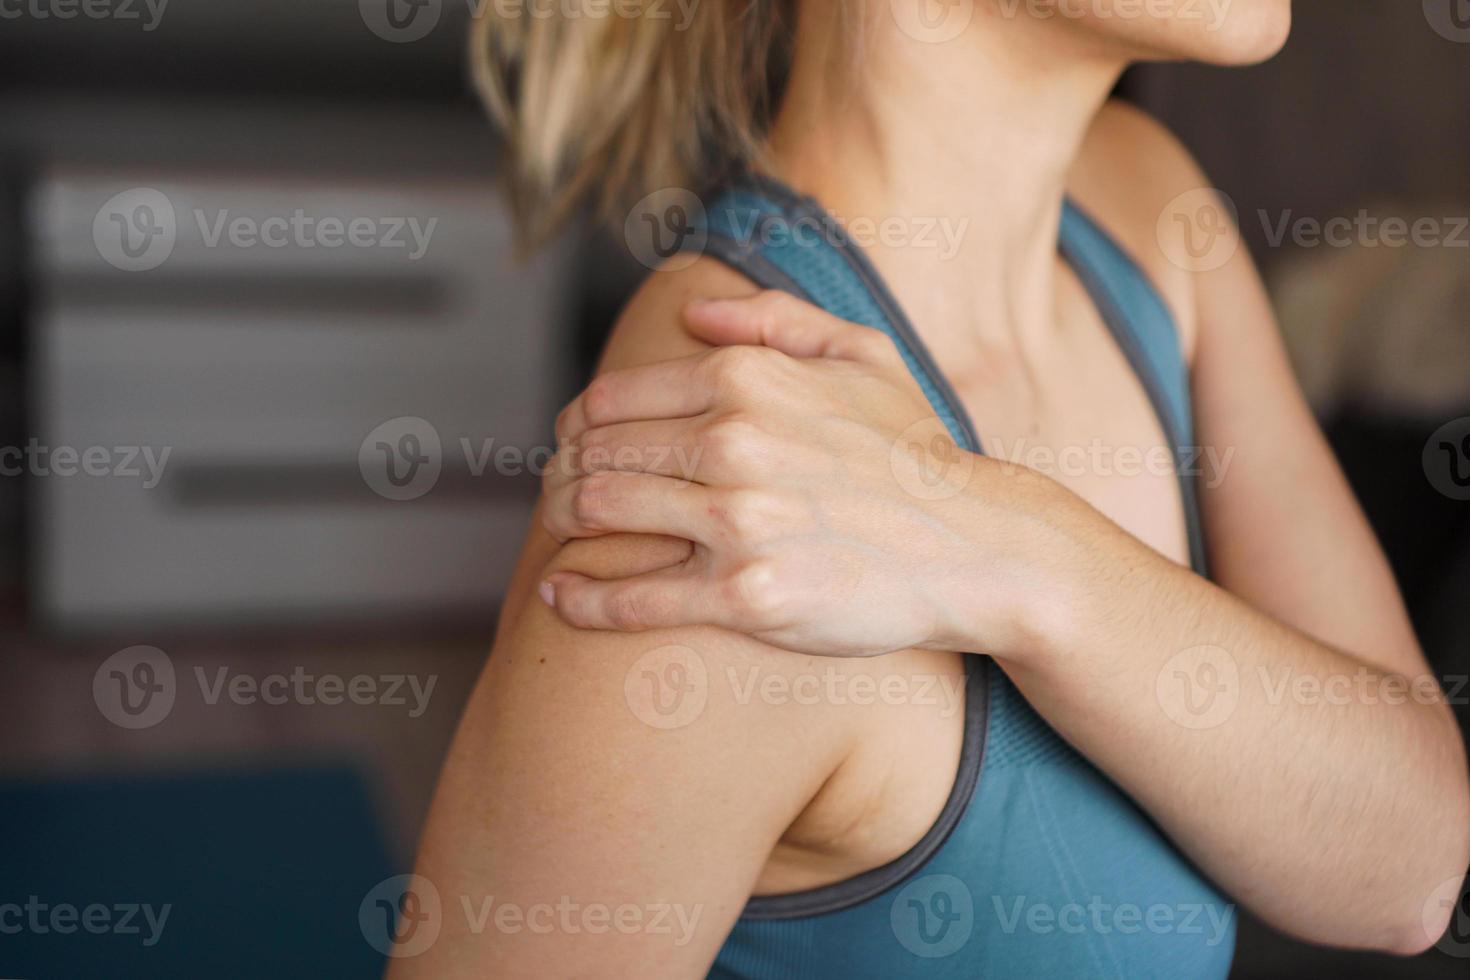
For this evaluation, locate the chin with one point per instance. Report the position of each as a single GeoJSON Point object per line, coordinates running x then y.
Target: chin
{"type": "Point", "coordinates": [1253, 31]}
{"type": "Point", "coordinates": [1216, 32]}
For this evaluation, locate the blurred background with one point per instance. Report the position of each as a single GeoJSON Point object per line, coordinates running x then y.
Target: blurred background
{"type": "Point", "coordinates": [272, 388]}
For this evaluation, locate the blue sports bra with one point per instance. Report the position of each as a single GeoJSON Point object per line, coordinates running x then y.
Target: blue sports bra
{"type": "Point", "coordinates": [1038, 865]}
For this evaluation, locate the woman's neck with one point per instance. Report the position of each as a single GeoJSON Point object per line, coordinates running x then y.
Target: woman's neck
{"type": "Point", "coordinates": [963, 146]}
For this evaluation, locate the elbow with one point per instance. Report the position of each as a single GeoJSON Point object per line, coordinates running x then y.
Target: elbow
{"type": "Point", "coordinates": [1441, 917]}
{"type": "Point", "coordinates": [1443, 914]}
{"type": "Point", "coordinates": [1435, 921]}
{"type": "Point", "coordinates": [1417, 899]}
{"type": "Point", "coordinates": [1432, 907]}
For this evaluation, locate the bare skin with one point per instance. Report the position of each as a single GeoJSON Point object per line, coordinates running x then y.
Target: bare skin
{"type": "Point", "coordinates": [1335, 822]}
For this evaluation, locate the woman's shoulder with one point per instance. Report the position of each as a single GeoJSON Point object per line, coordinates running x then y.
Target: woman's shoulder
{"type": "Point", "coordinates": [1131, 174]}
{"type": "Point", "coordinates": [651, 328]}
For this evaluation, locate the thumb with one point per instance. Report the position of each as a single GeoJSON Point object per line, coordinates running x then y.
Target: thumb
{"type": "Point", "coordinates": [781, 321]}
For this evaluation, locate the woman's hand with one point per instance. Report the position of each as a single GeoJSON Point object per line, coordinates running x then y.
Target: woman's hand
{"type": "Point", "coordinates": [829, 509]}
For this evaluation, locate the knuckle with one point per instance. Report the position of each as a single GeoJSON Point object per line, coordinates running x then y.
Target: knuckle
{"type": "Point", "coordinates": [600, 452]}
{"type": "Point", "coordinates": [591, 500]}
{"type": "Point", "coordinates": [741, 368]}
{"type": "Point", "coordinates": [552, 524]}
{"type": "Point", "coordinates": [756, 589]}
{"type": "Point", "coordinates": [625, 611]}
{"type": "Point", "coordinates": [550, 476]}
{"type": "Point", "coordinates": [778, 305]}
{"type": "Point", "coordinates": [731, 440]}
{"type": "Point", "coordinates": [572, 605]}
{"type": "Point", "coordinates": [599, 400]}
{"type": "Point", "coordinates": [564, 421]}
{"type": "Point", "coordinates": [740, 512]}
{"type": "Point", "coordinates": [592, 450]}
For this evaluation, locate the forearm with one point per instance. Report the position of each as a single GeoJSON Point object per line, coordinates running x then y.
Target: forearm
{"type": "Point", "coordinates": [1326, 794]}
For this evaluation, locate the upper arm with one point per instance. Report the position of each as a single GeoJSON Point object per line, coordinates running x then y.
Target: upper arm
{"type": "Point", "coordinates": [616, 775]}
{"type": "Point", "coordinates": [1283, 528]}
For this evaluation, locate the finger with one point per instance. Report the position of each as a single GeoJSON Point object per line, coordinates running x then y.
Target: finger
{"type": "Point", "coordinates": [663, 447]}
{"type": "Point", "coordinates": [666, 390]}
{"type": "Point", "coordinates": [631, 503]}
{"type": "Point", "coordinates": [655, 600]}
{"type": "Point", "coordinates": [779, 320]}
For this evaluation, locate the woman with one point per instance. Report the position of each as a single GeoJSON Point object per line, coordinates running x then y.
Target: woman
{"type": "Point", "coordinates": [737, 720]}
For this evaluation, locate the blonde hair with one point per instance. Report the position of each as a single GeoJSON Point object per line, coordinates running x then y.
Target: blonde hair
{"type": "Point", "coordinates": [624, 99]}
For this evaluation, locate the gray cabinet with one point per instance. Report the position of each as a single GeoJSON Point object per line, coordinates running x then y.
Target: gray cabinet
{"type": "Point", "coordinates": [210, 356]}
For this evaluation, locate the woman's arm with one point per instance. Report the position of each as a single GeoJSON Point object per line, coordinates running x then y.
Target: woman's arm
{"type": "Point", "coordinates": [1282, 724]}
{"type": "Point", "coordinates": [1299, 751]}
{"type": "Point", "coordinates": [1316, 774]}
{"type": "Point", "coordinates": [1307, 761]}
{"type": "Point", "coordinates": [589, 822]}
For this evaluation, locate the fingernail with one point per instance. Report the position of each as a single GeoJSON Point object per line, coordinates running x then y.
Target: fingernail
{"type": "Point", "coordinates": [547, 591]}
